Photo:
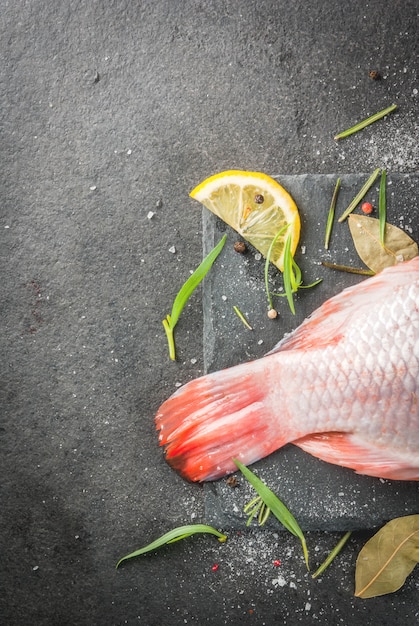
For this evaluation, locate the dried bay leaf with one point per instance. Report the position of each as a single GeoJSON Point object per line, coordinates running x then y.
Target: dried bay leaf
{"type": "Point", "coordinates": [398, 246]}
{"type": "Point", "coordinates": [388, 558]}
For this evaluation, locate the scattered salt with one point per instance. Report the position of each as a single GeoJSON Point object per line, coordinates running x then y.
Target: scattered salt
{"type": "Point", "coordinates": [93, 188]}
{"type": "Point", "coordinates": [150, 214]}
{"type": "Point", "coordinates": [172, 249]}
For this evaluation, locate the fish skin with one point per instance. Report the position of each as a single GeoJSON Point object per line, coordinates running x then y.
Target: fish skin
{"type": "Point", "coordinates": [344, 386]}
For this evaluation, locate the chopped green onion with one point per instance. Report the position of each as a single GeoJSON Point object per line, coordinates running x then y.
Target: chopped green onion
{"type": "Point", "coordinates": [291, 273]}
{"type": "Point", "coordinates": [332, 555]}
{"type": "Point", "coordinates": [278, 508]}
{"type": "Point", "coordinates": [290, 283]}
{"type": "Point", "coordinates": [242, 317]}
{"type": "Point", "coordinates": [253, 503]}
{"type": "Point", "coordinates": [348, 268]}
{"type": "Point", "coordinates": [331, 215]}
{"type": "Point", "coordinates": [382, 210]}
{"type": "Point", "coordinates": [366, 122]}
{"type": "Point", "coordinates": [259, 508]}
{"type": "Point", "coordinates": [360, 195]}
{"type": "Point", "coordinates": [316, 282]}
{"type": "Point", "coordinates": [186, 291]}
{"type": "Point", "coordinates": [175, 535]}
{"type": "Point", "coordinates": [292, 277]}
{"type": "Point", "coordinates": [268, 259]}
{"type": "Point", "coordinates": [264, 513]}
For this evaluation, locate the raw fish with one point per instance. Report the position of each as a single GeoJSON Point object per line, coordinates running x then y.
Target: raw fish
{"type": "Point", "coordinates": [344, 386]}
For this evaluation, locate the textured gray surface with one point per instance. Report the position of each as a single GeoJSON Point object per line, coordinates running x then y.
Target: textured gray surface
{"type": "Point", "coordinates": [112, 109]}
{"type": "Point", "coordinates": [322, 496]}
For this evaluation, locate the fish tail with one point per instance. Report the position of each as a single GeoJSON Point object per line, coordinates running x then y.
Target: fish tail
{"type": "Point", "coordinates": [218, 417]}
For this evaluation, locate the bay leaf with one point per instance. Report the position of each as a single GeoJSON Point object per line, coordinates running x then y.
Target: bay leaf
{"type": "Point", "coordinates": [398, 246]}
{"type": "Point", "coordinates": [388, 558]}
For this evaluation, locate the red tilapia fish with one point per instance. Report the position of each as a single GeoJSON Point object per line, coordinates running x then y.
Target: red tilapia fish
{"type": "Point", "coordinates": [344, 386]}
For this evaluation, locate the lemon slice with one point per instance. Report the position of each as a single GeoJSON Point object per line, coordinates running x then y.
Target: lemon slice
{"type": "Point", "coordinates": [256, 206]}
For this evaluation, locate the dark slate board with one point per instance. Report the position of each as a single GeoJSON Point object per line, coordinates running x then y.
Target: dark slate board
{"type": "Point", "coordinates": [321, 496]}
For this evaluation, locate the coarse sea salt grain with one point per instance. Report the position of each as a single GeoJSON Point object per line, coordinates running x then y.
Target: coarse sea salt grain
{"type": "Point", "coordinates": [172, 249]}
{"type": "Point", "coordinates": [150, 214]}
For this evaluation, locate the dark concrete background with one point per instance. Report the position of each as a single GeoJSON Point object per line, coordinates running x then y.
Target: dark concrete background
{"type": "Point", "coordinates": [111, 110]}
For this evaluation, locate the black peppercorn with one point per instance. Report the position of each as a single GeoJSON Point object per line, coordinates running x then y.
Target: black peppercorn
{"type": "Point", "coordinates": [259, 199]}
{"type": "Point", "coordinates": [232, 481]}
{"type": "Point", "coordinates": [240, 247]}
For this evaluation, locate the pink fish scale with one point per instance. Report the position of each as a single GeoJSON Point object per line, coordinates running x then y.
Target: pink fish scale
{"type": "Point", "coordinates": [341, 387]}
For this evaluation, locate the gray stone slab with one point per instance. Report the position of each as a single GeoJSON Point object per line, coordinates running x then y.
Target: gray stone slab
{"type": "Point", "coordinates": [322, 496]}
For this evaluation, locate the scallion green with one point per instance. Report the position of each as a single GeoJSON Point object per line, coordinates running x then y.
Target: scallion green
{"type": "Point", "coordinates": [369, 183]}
{"type": "Point", "coordinates": [176, 534]}
{"type": "Point", "coordinates": [278, 508]}
{"type": "Point", "coordinates": [382, 206]}
{"type": "Point", "coordinates": [241, 317]}
{"type": "Point", "coordinates": [366, 122]}
{"type": "Point", "coordinates": [333, 554]}
{"type": "Point", "coordinates": [331, 215]}
{"type": "Point", "coordinates": [185, 293]}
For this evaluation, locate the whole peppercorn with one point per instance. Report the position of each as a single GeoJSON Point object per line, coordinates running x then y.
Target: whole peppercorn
{"type": "Point", "coordinates": [259, 199]}
{"type": "Point", "coordinates": [232, 481]}
{"type": "Point", "coordinates": [367, 208]}
{"type": "Point", "coordinates": [374, 75]}
{"type": "Point", "coordinates": [272, 314]}
{"type": "Point", "coordinates": [240, 247]}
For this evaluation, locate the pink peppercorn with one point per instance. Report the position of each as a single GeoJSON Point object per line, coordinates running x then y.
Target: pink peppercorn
{"type": "Point", "coordinates": [277, 563]}
{"type": "Point", "coordinates": [367, 208]}
{"type": "Point", "coordinates": [215, 567]}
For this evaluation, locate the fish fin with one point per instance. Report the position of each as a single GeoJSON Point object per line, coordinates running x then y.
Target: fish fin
{"type": "Point", "coordinates": [346, 450]}
{"type": "Point", "coordinates": [326, 325]}
{"type": "Point", "coordinates": [214, 418]}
